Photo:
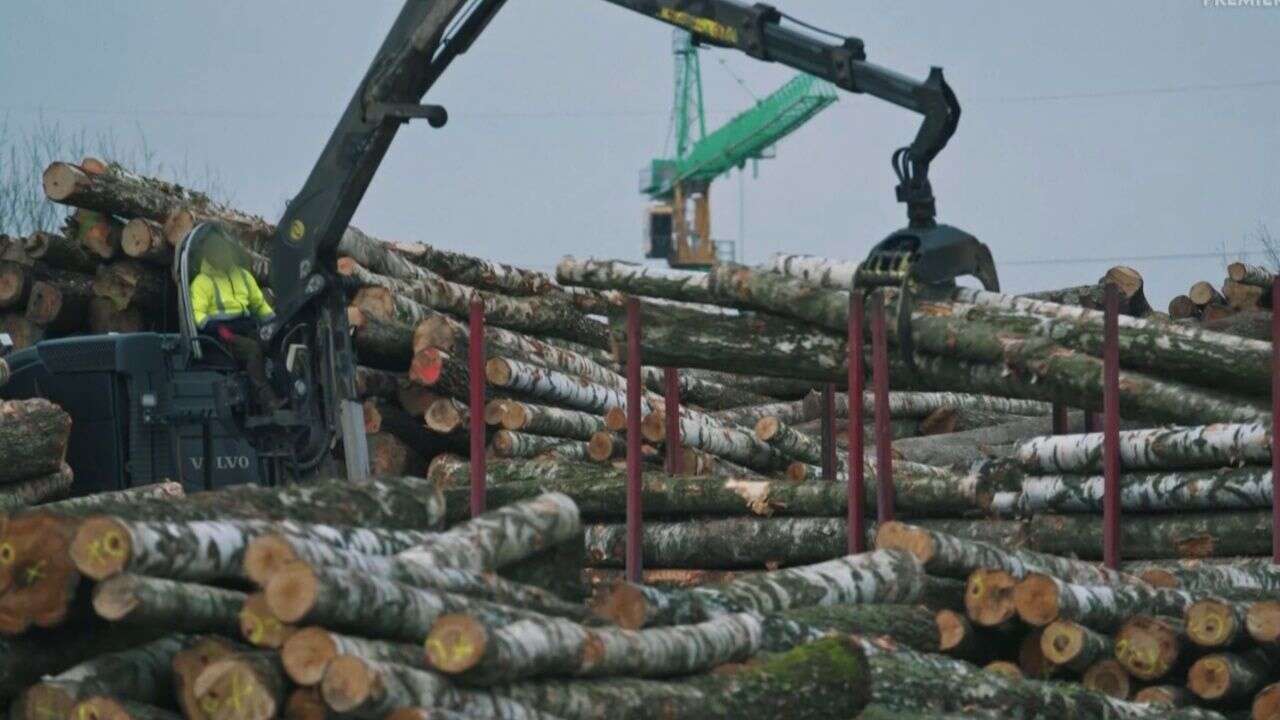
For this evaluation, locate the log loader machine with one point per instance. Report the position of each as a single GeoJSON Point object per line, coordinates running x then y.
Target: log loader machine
{"type": "Point", "coordinates": [149, 406]}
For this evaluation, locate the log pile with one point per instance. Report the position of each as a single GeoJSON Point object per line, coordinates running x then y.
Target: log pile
{"type": "Point", "coordinates": [1241, 305]}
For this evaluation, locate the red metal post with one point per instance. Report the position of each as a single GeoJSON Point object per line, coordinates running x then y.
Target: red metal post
{"type": "Point", "coordinates": [829, 432]}
{"type": "Point", "coordinates": [856, 502]}
{"type": "Point", "coordinates": [635, 510]}
{"type": "Point", "coordinates": [1061, 419]}
{"type": "Point", "coordinates": [475, 361]}
{"type": "Point", "coordinates": [675, 456]}
{"type": "Point", "coordinates": [1275, 413]}
{"type": "Point", "coordinates": [884, 433]}
{"type": "Point", "coordinates": [1111, 429]}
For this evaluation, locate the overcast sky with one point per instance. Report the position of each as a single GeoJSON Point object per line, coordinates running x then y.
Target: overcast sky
{"type": "Point", "coordinates": [1092, 129]}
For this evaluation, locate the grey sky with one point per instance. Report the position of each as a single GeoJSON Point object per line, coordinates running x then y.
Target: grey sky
{"type": "Point", "coordinates": [562, 101]}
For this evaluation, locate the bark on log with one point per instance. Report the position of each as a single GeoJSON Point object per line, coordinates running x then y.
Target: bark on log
{"type": "Point", "coordinates": [790, 442]}
{"type": "Point", "coordinates": [882, 576]}
{"type": "Point", "coordinates": [503, 536]}
{"type": "Point", "coordinates": [509, 444]}
{"type": "Point", "coordinates": [118, 191]}
{"type": "Point", "coordinates": [270, 554]}
{"type": "Point", "coordinates": [370, 606]}
{"type": "Point", "coordinates": [950, 556]}
{"type": "Point", "coordinates": [251, 230]}
{"type": "Point", "coordinates": [386, 344]}
{"type": "Point", "coordinates": [248, 686]}
{"type": "Point", "coordinates": [212, 550]}
{"type": "Point", "coordinates": [634, 279]}
{"type": "Point", "coordinates": [1170, 696]}
{"type": "Point", "coordinates": [1242, 297]}
{"type": "Point", "coordinates": [157, 603]}
{"type": "Point", "coordinates": [1246, 579]}
{"type": "Point", "coordinates": [700, 392]}
{"type": "Point", "coordinates": [1041, 599]}
{"type": "Point", "coordinates": [141, 673]}
{"type": "Point", "coordinates": [554, 387]}
{"type": "Point", "coordinates": [542, 315]}
{"type": "Point", "coordinates": [1149, 647]}
{"type": "Point", "coordinates": [1254, 275]}
{"type": "Point", "coordinates": [59, 251]}
{"type": "Point", "coordinates": [909, 625]}
{"type": "Point", "coordinates": [1183, 307]}
{"type": "Point", "coordinates": [307, 654]}
{"type": "Point", "coordinates": [552, 421]}
{"type": "Point", "coordinates": [59, 302]}
{"type": "Point", "coordinates": [1246, 488]}
{"type": "Point", "coordinates": [477, 272]}
{"type": "Point", "coordinates": [1074, 646]}
{"type": "Point", "coordinates": [1230, 677]}
{"type": "Point", "coordinates": [1210, 446]}
{"type": "Point", "coordinates": [19, 495]}
{"type": "Point", "coordinates": [792, 412]}
{"type": "Point", "coordinates": [462, 646]}
{"type": "Point", "coordinates": [1153, 537]}
{"type": "Point", "coordinates": [33, 439]}
{"type": "Point", "coordinates": [105, 708]}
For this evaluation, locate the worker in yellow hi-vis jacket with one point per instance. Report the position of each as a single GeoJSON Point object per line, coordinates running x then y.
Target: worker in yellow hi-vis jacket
{"type": "Point", "coordinates": [228, 305]}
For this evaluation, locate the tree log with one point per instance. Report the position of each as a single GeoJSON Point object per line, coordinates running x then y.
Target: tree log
{"type": "Point", "coordinates": [1228, 677]}
{"type": "Point", "coordinates": [908, 625]}
{"type": "Point", "coordinates": [247, 686]}
{"type": "Point", "coordinates": [145, 240]}
{"type": "Point", "coordinates": [1041, 599]}
{"type": "Point", "coordinates": [1149, 647]}
{"type": "Point", "coordinates": [118, 191]}
{"type": "Point", "coordinates": [33, 439]}
{"type": "Point", "coordinates": [1151, 537]}
{"type": "Point", "coordinates": [101, 707]}
{"type": "Point", "coordinates": [307, 654]}
{"type": "Point", "coordinates": [131, 284]}
{"type": "Point", "coordinates": [141, 673]}
{"type": "Point", "coordinates": [1074, 646]}
{"type": "Point", "coordinates": [189, 663]}
{"type": "Point", "coordinates": [510, 444]}
{"type": "Point", "coordinates": [1217, 624]}
{"type": "Point", "coordinates": [1170, 696]}
{"type": "Point", "coordinates": [59, 302]}
{"type": "Point", "coordinates": [545, 420]}
{"type": "Point", "coordinates": [212, 550]}
{"type": "Point", "coordinates": [18, 495]}
{"type": "Point", "coordinates": [701, 431]}
{"type": "Point", "coordinates": [881, 576]}
{"type": "Point", "coordinates": [1252, 579]}
{"type": "Point", "coordinates": [1246, 488]}
{"type": "Point", "coordinates": [370, 606]}
{"type": "Point", "coordinates": [1182, 307]}
{"type": "Point", "coordinates": [389, 455]}
{"type": "Point", "coordinates": [701, 392]}
{"type": "Point", "coordinates": [98, 234]}
{"type": "Point", "coordinates": [15, 284]}
{"type": "Point", "coordinates": [554, 387]}
{"type": "Point", "coordinates": [60, 251]}
{"type": "Point", "coordinates": [158, 603]}
{"type": "Point", "coordinates": [1210, 446]}
{"type": "Point", "coordinates": [386, 344]}
{"type": "Point", "coordinates": [270, 554]}
{"type": "Point", "coordinates": [503, 536]}
{"type": "Point", "coordinates": [950, 556]}
{"type": "Point", "coordinates": [1109, 678]}
{"type": "Point", "coordinates": [1266, 704]}
{"type": "Point", "coordinates": [1204, 293]}
{"type": "Point", "coordinates": [635, 279]}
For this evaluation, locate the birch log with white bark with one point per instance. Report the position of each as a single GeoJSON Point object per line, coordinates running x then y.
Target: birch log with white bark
{"type": "Point", "coordinates": [1174, 448]}
{"type": "Point", "coordinates": [1041, 599]}
{"type": "Point", "coordinates": [554, 387]}
{"type": "Point", "coordinates": [503, 536]}
{"type": "Point", "coordinates": [1245, 488]}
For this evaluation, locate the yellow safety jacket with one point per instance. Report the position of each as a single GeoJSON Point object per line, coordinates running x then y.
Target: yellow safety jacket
{"type": "Point", "coordinates": [217, 296]}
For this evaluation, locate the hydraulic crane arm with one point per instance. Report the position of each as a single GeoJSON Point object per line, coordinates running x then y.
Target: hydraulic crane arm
{"type": "Point", "coordinates": [758, 31]}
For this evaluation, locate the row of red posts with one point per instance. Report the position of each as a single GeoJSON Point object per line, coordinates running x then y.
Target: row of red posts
{"type": "Point", "coordinates": [883, 434]}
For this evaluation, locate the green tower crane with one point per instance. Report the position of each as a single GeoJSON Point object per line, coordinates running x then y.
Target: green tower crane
{"type": "Point", "coordinates": [676, 183]}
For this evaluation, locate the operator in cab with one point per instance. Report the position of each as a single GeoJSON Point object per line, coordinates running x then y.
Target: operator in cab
{"type": "Point", "coordinates": [229, 305]}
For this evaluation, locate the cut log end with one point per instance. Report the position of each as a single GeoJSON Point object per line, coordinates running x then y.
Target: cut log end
{"type": "Point", "coordinates": [515, 415]}
{"type": "Point", "coordinates": [230, 690]}
{"type": "Point", "coordinates": [426, 367]}
{"type": "Point", "coordinates": [265, 556]}
{"type": "Point", "coordinates": [953, 630]}
{"type": "Point", "coordinates": [600, 447]}
{"type": "Point", "coordinates": [100, 708]}
{"type": "Point", "coordinates": [1210, 677]}
{"type": "Point", "coordinates": [189, 663]}
{"type": "Point", "coordinates": [115, 598]}
{"type": "Point", "coordinates": [615, 419]}
{"type": "Point", "coordinates": [305, 703]}
{"type": "Point", "coordinates": [1147, 647]}
{"type": "Point", "coordinates": [347, 683]}
{"type": "Point", "coordinates": [1062, 642]}
{"type": "Point", "coordinates": [1263, 621]}
{"type": "Point", "coordinates": [292, 592]}
{"type": "Point", "coordinates": [494, 410]}
{"type": "Point", "coordinates": [1005, 668]}
{"type": "Point", "coordinates": [444, 416]}
{"type": "Point", "coordinates": [13, 284]}
{"type": "Point", "coordinates": [1164, 696]}
{"type": "Point", "coordinates": [101, 548]}
{"type": "Point", "coordinates": [1211, 623]}
{"type": "Point", "coordinates": [498, 371]}
{"type": "Point", "coordinates": [990, 597]}
{"type": "Point", "coordinates": [767, 428]}
{"type": "Point", "coordinates": [623, 605]}
{"type": "Point", "coordinates": [46, 700]}
{"type": "Point", "coordinates": [456, 643]}
{"type": "Point", "coordinates": [62, 180]}
{"type": "Point", "coordinates": [894, 535]}
{"type": "Point", "coordinates": [260, 626]}
{"type": "Point", "coordinates": [1109, 678]}
{"type": "Point", "coordinates": [306, 654]}
{"type": "Point", "coordinates": [1266, 704]}
{"type": "Point", "coordinates": [1036, 600]}
{"type": "Point", "coordinates": [654, 427]}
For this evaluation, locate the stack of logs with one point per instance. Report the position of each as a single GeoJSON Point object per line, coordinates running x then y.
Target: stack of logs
{"type": "Point", "coordinates": [1175, 634]}
{"type": "Point", "coordinates": [252, 603]}
{"type": "Point", "coordinates": [1242, 305]}
{"type": "Point", "coordinates": [33, 451]}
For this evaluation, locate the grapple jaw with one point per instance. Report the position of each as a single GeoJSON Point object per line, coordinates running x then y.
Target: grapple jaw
{"type": "Point", "coordinates": [917, 257]}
